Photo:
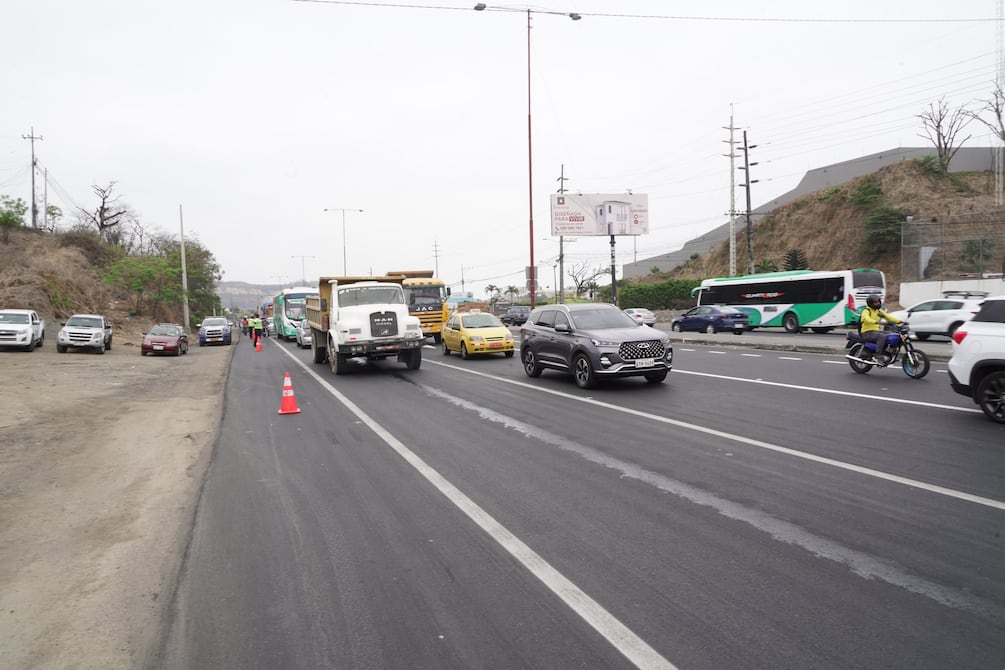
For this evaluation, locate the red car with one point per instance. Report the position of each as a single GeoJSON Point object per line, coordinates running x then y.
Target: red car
{"type": "Point", "coordinates": [165, 338]}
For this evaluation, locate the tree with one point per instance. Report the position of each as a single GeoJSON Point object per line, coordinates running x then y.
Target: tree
{"type": "Point", "coordinates": [583, 275]}
{"type": "Point", "coordinates": [941, 128]}
{"type": "Point", "coordinates": [795, 259]}
{"type": "Point", "coordinates": [52, 216]}
{"type": "Point", "coordinates": [12, 213]}
{"type": "Point", "coordinates": [512, 291]}
{"type": "Point", "coordinates": [766, 265]}
{"type": "Point", "coordinates": [109, 215]}
{"type": "Point", "coordinates": [491, 289]}
{"type": "Point", "coordinates": [996, 108]}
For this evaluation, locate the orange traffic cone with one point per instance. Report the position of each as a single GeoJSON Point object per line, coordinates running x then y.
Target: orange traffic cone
{"type": "Point", "coordinates": [289, 404]}
{"type": "Point", "coordinates": [258, 344]}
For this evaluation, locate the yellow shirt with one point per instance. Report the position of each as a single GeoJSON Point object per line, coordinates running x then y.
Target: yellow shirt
{"type": "Point", "coordinates": [871, 319]}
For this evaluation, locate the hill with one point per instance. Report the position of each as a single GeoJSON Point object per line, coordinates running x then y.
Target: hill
{"type": "Point", "coordinates": [836, 227]}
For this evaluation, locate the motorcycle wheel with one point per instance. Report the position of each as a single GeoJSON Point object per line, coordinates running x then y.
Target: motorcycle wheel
{"type": "Point", "coordinates": [857, 350]}
{"type": "Point", "coordinates": [921, 365]}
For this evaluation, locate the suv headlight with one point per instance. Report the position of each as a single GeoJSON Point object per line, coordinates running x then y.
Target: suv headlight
{"type": "Point", "coordinates": [604, 343]}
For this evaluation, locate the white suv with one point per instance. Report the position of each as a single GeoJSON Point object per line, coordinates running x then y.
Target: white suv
{"type": "Point", "coordinates": [942, 316]}
{"type": "Point", "coordinates": [977, 367]}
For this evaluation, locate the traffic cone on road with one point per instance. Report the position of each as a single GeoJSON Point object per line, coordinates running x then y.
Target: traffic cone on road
{"type": "Point", "coordinates": [289, 404]}
{"type": "Point", "coordinates": [258, 344]}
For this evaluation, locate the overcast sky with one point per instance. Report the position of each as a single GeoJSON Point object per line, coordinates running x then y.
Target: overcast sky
{"type": "Point", "coordinates": [255, 116]}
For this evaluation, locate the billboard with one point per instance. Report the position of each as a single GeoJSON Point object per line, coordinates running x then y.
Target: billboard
{"type": "Point", "coordinates": [578, 214]}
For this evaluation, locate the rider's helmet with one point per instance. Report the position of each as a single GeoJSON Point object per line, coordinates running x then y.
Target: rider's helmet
{"type": "Point", "coordinates": [874, 301]}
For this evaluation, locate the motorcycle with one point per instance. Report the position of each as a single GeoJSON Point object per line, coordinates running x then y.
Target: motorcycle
{"type": "Point", "coordinates": [898, 349]}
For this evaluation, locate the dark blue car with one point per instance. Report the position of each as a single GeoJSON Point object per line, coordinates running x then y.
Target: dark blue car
{"type": "Point", "coordinates": [711, 319]}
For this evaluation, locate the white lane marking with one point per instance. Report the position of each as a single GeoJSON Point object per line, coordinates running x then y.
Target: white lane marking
{"type": "Point", "coordinates": [835, 362]}
{"type": "Point", "coordinates": [789, 358]}
{"type": "Point", "coordinates": [869, 472]}
{"type": "Point", "coordinates": [752, 355]}
{"type": "Point", "coordinates": [634, 648]}
{"type": "Point", "coordinates": [712, 351]}
{"type": "Point", "coordinates": [830, 391]}
{"type": "Point", "coordinates": [860, 563]}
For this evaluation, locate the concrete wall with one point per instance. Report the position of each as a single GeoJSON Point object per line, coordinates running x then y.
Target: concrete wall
{"type": "Point", "coordinates": [912, 293]}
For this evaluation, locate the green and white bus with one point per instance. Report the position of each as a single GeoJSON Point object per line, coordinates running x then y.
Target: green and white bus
{"type": "Point", "coordinates": [289, 309]}
{"type": "Point", "coordinates": [798, 299]}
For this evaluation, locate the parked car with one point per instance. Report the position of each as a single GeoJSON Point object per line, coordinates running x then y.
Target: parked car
{"type": "Point", "coordinates": [711, 319]}
{"type": "Point", "coordinates": [977, 366]}
{"type": "Point", "coordinates": [22, 328]}
{"type": "Point", "coordinates": [942, 316]}
{"type": "Point", "coordinates": [304, 334]}
{"type": "Point", "coordinates": [165, 338]}
{"type": "Point", "coordinates": [593, 341]}
{"type": "Point", "coordinates": [215, 330]}
{"type": "Point", "coordinates": [515, 315]}
{"type": "Point", "coordinates": [642, 315]}
{"type": "Point", "coordinates": [85, 331]}
{"type": "Point", "coordinates": [475, 332]}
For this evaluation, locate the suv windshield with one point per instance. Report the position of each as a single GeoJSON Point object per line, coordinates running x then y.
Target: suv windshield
{"type": "Point", "coordinates": [592, 319]}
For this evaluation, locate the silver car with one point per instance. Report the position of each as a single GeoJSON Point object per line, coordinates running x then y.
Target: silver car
{"type": "Point", "coordinates": [642, 315]}
{"type": "Point", "coordinates": [304, 335]}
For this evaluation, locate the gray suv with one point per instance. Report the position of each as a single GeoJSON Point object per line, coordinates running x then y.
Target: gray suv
{"type": "Point", "coordinates": [593, 341]}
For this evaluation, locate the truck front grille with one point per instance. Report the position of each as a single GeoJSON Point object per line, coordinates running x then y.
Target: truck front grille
{"type": "Point", "coordinates": [384, 324]}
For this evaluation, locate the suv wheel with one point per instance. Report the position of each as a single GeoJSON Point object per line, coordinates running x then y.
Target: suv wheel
{"type": "Point", "coordinates": [530, 365]}
{"type": "Point", "coordinates": [990, 395]}
{"type": "Point", "coordinates": [583, 373]}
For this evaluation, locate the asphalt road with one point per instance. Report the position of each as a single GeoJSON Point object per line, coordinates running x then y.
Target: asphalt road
{"type": "Point", "coordinates": [762, 508]}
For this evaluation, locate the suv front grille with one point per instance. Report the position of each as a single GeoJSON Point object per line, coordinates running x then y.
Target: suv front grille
{"type": "Point", "coordinates": [630, 351]}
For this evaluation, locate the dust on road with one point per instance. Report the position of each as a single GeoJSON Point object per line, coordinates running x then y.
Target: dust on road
{"type": "Point", "coordinates": [101, 462]}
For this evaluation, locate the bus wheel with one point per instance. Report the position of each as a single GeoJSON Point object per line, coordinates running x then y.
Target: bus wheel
{"type": "Point", "coordinates": [791, 323]}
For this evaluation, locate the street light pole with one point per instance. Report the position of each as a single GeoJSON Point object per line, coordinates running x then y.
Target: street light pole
{"type": "Point", "coordinates": [303, 271]}
{"type": "Point", "coordinates": [481, 6]}
{"type": "Point", "coordinates": [345, 257]}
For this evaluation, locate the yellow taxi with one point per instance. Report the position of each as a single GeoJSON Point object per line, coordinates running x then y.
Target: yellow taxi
{"type": "Point", "coordinates": [476, 332]}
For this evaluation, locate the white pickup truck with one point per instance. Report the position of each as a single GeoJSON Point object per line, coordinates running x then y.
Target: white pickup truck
{"type": "Point", "coordinates": [21, 328]}
{"type": "Point", "coordinates": [85, 331]}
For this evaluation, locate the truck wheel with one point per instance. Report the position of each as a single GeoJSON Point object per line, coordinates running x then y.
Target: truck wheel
{"type": "Point", "coordinates": [413, 359]}
{"type": "Point", "coordinates": [340, 364]}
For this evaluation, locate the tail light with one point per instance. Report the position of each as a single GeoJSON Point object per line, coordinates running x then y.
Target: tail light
{"type": "Point", "coordinates": [851, 302]}
{"type": "Point", "coordinates": [958, 336]}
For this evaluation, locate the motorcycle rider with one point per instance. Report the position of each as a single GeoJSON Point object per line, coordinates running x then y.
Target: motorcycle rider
{"type": "Point", "coordinates": [870, 326]}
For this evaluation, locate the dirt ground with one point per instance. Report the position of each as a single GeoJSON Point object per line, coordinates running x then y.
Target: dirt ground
{"type": "Point", "coordinates": [101, 462]}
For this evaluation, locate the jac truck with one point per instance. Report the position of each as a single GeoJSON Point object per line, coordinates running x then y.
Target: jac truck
{"type": "Point", "coordinates": [426, 297]}
{"type": "Point", "coordinates": [362, 317]}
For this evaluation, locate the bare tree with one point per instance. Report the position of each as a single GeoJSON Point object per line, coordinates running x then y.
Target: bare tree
{"type": "Point", "coordinates": [583, 276]}
{"type": "Point", "coordinates": [109, 215]}
{"type": "Point", "coordinates": [941, 128]}
{"type": "Point", "coordinates": [995, 108]}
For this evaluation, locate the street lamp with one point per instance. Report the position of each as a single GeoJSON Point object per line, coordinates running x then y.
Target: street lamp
{"type": "Point", "coordinates": [481, 6]}
{"type": "Point", "coordinates": [345, 271]}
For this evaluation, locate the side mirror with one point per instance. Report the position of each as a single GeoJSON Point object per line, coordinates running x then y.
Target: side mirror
{"type": "Point", "coordinates": [562, 328]}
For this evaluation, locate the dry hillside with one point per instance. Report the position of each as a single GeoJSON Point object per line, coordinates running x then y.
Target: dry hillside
{"type": "Point", "coordinates": [54, 276]}
{"type": "Point", "coordinates": [831, 231]}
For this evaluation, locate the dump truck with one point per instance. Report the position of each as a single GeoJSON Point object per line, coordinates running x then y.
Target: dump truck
{"type": "Point", "coordinates": [362, 317]}
{"type": "Point", "coordinates": [426, 297]}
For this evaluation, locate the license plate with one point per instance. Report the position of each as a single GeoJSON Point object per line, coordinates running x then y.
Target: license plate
{"type": "Point", "coordinates": [495, 345]}
{"type": "Point", "coordinates": [645, 362]}
{"type": "Point", "coordinates": [158, 347]}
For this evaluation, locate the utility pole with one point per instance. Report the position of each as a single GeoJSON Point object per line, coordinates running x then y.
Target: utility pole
{"type": "Point", "coordinates": [184, 272]}
{"type": "Point", "coordinates": [34, 203]}
{"type": "Point", "coordinates": [732, 193]}
{"type": "Point", "coordinates": [436, 258]}
{"type": "Point", "coordinates": [746, 170]}
{"type": "Point", "coordinates": [561, 245]}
